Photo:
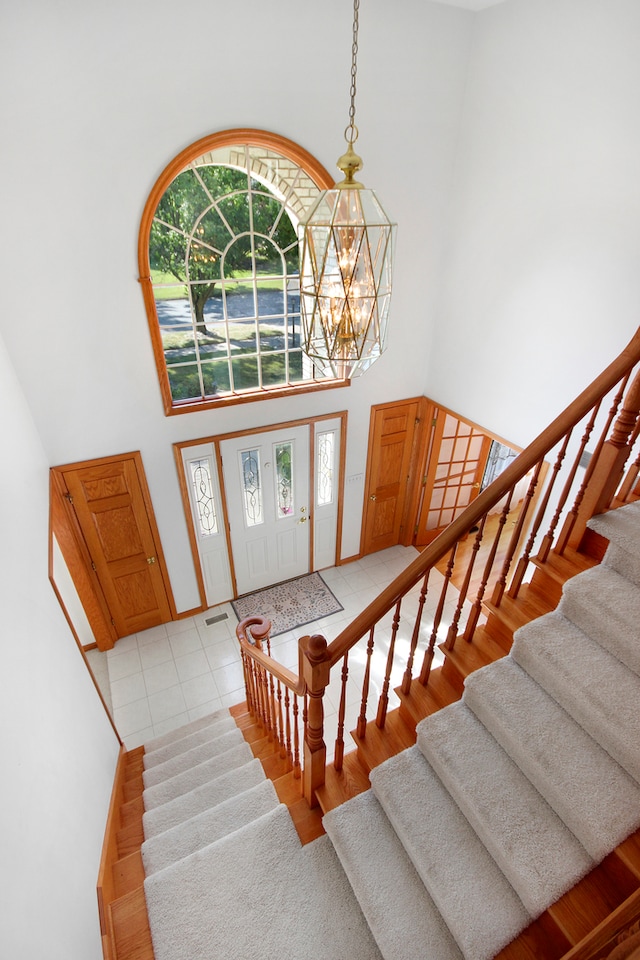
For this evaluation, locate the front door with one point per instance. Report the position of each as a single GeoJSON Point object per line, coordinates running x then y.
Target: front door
{"type": "Point", "coordinates": [266, 479]}
{"type": "Point", "coordinates": [114, 513]}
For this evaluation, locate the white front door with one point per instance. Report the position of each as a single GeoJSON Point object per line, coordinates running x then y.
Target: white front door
{"type": "Point", "coordinates": [266, 479]}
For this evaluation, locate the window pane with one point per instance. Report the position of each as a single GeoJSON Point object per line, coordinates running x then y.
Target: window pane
{"type": "Point", "coordinates": [284, 479]}
{"type": "Point", "coordinates": [220, 180]}
{"type": "Point", "coordinates": [270, 295]}
{"type": "Point", "coordinates": [203, 495]}
{"type": "Point", "coordinates": [215, 376]}
{"type": "Point", "coordinates": [252, 490]}
{"type": "Point", "coordinates": [274, 369]}
{"type": "Point", "coordinates": [325, 467]}
{"type": "Point", "coordinates": [245, 373]}
{"type": "Point", "coordinates": [235, 210]}
{"type": "Point", "coordinates": [239, 301]}
{"type": "Point", "coordinates": [184, 382]}
{"type": "Point", "coordinates": [268, 259]}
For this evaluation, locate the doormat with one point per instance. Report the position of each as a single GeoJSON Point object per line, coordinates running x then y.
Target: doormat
{"type": "Point", "coordinates": [289, 605]}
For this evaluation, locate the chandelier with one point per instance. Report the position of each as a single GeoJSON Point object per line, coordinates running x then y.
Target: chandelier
{"type": "Point", "coordinates": [346, 265]}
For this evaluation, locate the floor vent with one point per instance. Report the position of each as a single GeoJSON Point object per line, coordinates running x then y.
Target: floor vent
{"type": "Point", "coordinates": [216, 619]}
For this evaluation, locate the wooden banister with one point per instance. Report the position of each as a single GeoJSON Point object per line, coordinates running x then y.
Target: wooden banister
{"type": "Point", "coordinates": [518, 468]}
{"type": "Point", "coordinates": [316, 658]}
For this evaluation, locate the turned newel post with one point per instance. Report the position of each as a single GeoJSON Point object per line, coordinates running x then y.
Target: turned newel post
{"type": "Point", "coordinates": [609, 469]}
{"type": "Point", "coordinates": [315, 671]}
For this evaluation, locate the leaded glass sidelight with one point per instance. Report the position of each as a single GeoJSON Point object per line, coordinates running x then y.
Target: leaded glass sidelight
{"type": "Point", "coordinates": [284, 479]}
{"type": "Point", "coordinates": [251, 487]}
{"type": "Point", "coordinates": [325, 467]}
{"type": "Point", "coordinates": [203, 497]}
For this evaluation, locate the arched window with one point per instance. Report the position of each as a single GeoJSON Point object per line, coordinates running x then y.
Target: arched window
{"type": "Point", "coordinates": [218, 256]}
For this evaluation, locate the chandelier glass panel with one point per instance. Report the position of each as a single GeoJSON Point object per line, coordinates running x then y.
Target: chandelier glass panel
{"type": "Point", "coordinates": [347, 245]}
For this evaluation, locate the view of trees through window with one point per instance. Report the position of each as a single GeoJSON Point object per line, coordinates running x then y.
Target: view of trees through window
{"type": "Point", "coordinates": [223, 254]}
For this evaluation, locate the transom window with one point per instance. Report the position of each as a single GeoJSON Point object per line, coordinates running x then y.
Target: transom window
{"type": "Point", "coordinates": [220, 270]}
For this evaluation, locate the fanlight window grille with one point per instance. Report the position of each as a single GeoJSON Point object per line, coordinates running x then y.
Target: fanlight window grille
{"type": "Point", "coordinates": [224, 274]}
{"type": "Point", "coordinates": [252, 487]}
{"type": "Point", "coordinates": [200, 471]}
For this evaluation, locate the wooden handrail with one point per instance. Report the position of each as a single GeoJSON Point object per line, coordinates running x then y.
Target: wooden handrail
{"type": "Point", "coordinates": [316, 658]}
{"type": "Point", "coordinates": [517, 469]}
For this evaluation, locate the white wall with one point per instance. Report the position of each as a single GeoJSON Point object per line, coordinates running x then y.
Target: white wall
{"type": "Point", "coordinates": [542, 286]}
{"type": "Point", "coordinates": [58, 748]}
{"type": "Point", "coordinates": [107, 95]}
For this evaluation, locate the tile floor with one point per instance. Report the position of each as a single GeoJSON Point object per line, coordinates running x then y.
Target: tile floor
{"type": "Point", "coordinates": [174, 673]}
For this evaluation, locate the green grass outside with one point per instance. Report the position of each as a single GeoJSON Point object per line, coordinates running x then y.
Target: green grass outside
{"type": "Point", "coordinates": [178, 291]}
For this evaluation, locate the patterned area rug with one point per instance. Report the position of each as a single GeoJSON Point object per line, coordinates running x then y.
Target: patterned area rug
{"type": "Point", "coordinates": [291, 604]}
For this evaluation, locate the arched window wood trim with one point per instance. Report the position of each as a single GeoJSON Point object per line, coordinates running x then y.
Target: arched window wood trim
{"type": "Point", "coordinates": [259, 138]}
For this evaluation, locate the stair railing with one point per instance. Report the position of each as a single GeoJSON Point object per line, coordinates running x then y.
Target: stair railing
{"type": "Point", "coordinates": [432, 603]}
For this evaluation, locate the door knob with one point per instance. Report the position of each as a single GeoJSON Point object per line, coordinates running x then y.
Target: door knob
{"type": "Point", "coordinates": [302, 520]}
{"type": "Point", "coordinates": [151, 560]}
{"type": "Point", "coordinates": [373, 497]}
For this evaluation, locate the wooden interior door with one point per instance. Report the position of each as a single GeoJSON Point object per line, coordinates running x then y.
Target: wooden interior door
{"type": "Point", "coordinates": [457, 461]}
{"type": "Point", "coordinates": [392, 443]}
{"type": "Point", "coordinates": [114, 513]}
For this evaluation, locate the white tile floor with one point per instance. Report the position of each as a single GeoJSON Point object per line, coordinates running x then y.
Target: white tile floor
{"type": "Point", "coordinates": [166, 676]}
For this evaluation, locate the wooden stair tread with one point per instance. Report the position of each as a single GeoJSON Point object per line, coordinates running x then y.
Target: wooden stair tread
{"type": "Point", "coordinates": [422, 701]}
{"type": "Point", "coordinates": [602, 939]}
{"type": "Point", "coordinates": [130, 924]}
{"type": "Point", "coordinates": [379, 745]}
{"type": "Point", "coordinates": [342, 785]}
{"type": "Point", "coordinates": [512, 613]}
{"type": "Point", "coordinates": [468, 657]}
{"type": "Point", "coordinates": [542, 940]}
{"type": "Point", "coordinates": [591, 900]}
{"type": "Point", "coordinates": [128, 873]}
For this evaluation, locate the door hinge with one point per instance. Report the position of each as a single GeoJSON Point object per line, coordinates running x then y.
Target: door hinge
{"type": "Point", "coordinates": [433, 422]}
{"type": "Point", "coordinates": [68, 497]}
{"type": "Point", "coordinates": [415, 529]}
{"type": "Point", "coordinates": [424, 481]}
{"type": "Point", "coordinates": [113, 621]}
{"type": "Point", "coordinates": [93, 566]}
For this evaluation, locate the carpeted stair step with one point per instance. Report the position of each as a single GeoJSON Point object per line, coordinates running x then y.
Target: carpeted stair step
{"type": "Point", "coordinates": [191, 758]}
{"type": "Point", "coordinates": [622, 528]}
{"type": "Point", "coordinates": [214, 791]}
{"type": "Point", "coordinates": [606, 606]}
{"type": "Point", "coordinates": [535, 850]}
{"type": "Point", "coordinates": [183, 731]}
{"type": "Point", "coordinates": [180, 745]}
{"type": "Point", "coordinates": [395, 903]}
{"type": "Point", "coordinates": [196, 776]}
{"type": "Point", "coordinates": [212, 824]}
{"type": "Point", "coordinates": [258, 893]}
{"type": "Point", "coordinates": [474, 898]}
{"type": "Point", "coordinates": [592, 685]}
{"type": "Point", "coordinates": [590, 792]}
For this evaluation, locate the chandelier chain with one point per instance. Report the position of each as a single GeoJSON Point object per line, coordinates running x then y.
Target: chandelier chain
{"type": "Point", "coordinates": [352, 130]}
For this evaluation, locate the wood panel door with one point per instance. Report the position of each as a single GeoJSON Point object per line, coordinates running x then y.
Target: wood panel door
{"type": "Point", "coordinates": [392, 443]}
{"type": "Point", "coordinates": [458, 457]}
{"type": "Point", "coordinates": [113, 508]}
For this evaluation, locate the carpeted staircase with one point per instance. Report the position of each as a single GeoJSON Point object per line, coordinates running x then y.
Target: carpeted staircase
{"type": "Point", "coordinates": [508, 798]}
